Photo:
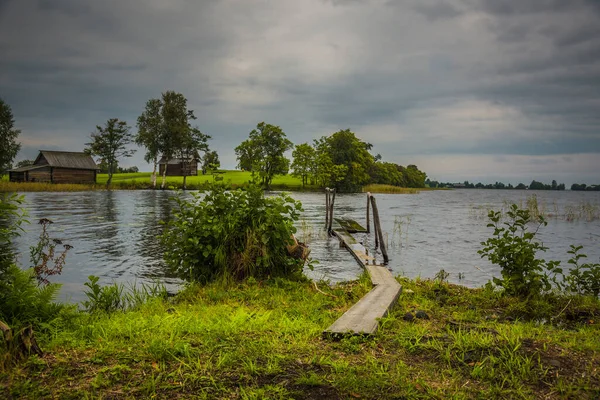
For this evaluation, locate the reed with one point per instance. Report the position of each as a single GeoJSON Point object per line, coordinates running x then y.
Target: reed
{"type": "Point", "coordinates": [378, 188]}
{"type": "Point", "coordinates": [6, 186]}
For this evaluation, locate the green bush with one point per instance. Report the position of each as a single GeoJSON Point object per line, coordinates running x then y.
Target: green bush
{"type": "Point", "coordinates": [22, 300]}
{"type": "Point", "coordinates": [232, 235]}
{"type": "Point", "coordinates": [583, 279]}
{"type": "Point", "coordinates": [514, 248]}
{"type": "Point", "coordinates": [25, 302]}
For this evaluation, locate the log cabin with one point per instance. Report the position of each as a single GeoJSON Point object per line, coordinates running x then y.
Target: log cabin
{"type": "Point", "coordinates": [58, 167]}
{"type": "Point", "coordinates": [177, 167]}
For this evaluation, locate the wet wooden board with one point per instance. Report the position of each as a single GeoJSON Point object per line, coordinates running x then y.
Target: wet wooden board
{"type": "Point", "coordinates": [350, 225]}
{"type": "Point", "coordinates": [362, 318]}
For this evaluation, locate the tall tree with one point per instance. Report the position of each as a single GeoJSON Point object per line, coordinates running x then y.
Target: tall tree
{"type": "Point", "coordinates": [150, 131]}
{"type": "Point", "coordinates": [178, 137]}
{"type": "Point", "coordinates": [210, 162]}
{"type": "Point", "coordinates": [304, 161]}
{"type": "Point", "coordinates": [264, 152]}
{"type": "Point", "coordinates": [8, 138]}
{"type": "Point", "coordinates": [110, 143]}
{"type": "Point", "coordinates": [345, 149]}
{"type": "Point", "coordinates": [190, 144]}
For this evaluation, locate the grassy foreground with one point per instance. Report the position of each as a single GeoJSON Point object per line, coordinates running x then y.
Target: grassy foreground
{"type": "Point", "coordinates": [263, 340]}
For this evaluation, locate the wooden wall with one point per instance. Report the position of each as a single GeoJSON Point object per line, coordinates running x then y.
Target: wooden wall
{"type": "Point", "coordinates": [16, 176]}
{"type": "Point", "coordinates": [39, 175]}
{"type": "Point", "coordinates": [177, 169]}
{"type": "Point", "coordinates": [69, 175]}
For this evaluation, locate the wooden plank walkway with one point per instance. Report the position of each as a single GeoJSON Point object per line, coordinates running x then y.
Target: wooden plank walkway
{"type": "Point", "coordinates": [362, 318]}
{"type": "Point", "coordinates": [350, 226]}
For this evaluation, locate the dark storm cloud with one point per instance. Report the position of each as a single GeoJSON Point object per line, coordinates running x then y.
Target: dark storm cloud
{"type": "Point", "coordinates": [446, 78]}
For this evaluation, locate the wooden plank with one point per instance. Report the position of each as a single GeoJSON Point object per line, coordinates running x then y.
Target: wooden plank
{"type": "Point", "coordinates": [350, 225]}
{"type": "Point", "coordinates": [380, 275]}
{"type": "Point", "coordinates": [362, 318]}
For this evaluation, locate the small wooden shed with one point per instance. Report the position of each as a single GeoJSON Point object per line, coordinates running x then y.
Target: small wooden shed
{"type": "Point", "coordinates": [177, 167]}
{"type": "Point", "coordinates": [57, 167]}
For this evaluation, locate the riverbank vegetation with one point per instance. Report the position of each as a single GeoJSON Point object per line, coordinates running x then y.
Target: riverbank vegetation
{"type": "Point", "coordinates": [263, 339]}
{"type": "Point", "coordinates": [585, 210]}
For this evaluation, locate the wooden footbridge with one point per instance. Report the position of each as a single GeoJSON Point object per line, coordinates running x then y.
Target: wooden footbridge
{"type": "Point", "coordinates": [362, 318]}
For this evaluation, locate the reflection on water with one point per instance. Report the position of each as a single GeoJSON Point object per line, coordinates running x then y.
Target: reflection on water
{"type": "Point", "coordinates": [114, 233]}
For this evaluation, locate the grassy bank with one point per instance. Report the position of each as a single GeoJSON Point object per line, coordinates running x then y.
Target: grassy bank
{"type": "Point", "coordinates": [263, 340]}
{"type": "Point", "coordinates": [142, 180]}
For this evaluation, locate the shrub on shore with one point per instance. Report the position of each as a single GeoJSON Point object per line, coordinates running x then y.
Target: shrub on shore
{"type": "Point", "coordinates": [232, 234]}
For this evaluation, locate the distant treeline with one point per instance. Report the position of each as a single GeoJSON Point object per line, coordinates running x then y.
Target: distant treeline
{"type": "Point", "coordinates": [534, 185]}
{"type": "Point", "coordinates": [583, 186]}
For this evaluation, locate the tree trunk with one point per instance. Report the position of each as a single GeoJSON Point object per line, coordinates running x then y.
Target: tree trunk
{"type": "Point", "coordinates": [164, 178]}
{"type": "Point", "coordinates": [154, 175]}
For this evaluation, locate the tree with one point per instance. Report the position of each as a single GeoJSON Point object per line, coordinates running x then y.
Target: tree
{"type": "Point", "coordinates": [24, 163]}
{"type": "Point", "coordinates": [189, 145]}
{"type": "Point", "coordinates": [414, 178]}
{"type": "Point", "coordinates": [8, 138]}
{"type": "Point", "coordinates": [343, 148]}
{"type": "Point", "coordinates": [110, 143]}
{"type": "Point", "coordinates": [521, 186]}
{"type": "Point", "coordinates": [304, 161]}
{"type": "Point", "coordinates": [164, 129]}
{"type": "Point", "coordinates": [263, 152]}
{"type": "Point", "coordinates": [210, 162]}
{"type": "Point", "coordinates": [178, 137]}
{"type": "Point", "coordinates": [150, 131]}
{"type": "Point", "coordinates": [386, 173]}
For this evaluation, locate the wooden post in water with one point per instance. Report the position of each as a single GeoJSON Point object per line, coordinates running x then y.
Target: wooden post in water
{"type": "Point", "coordinates": [332, 202]}
{"type": "Point", "coordinates": [368, 223]}
{"type": "Point", "coordinates": [326, 208]}
{"type": "Point", "coordinates": [378, 231]}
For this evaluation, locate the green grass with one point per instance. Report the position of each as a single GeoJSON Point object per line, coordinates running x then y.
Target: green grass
{"type": "Point", "coordinates": [264, 340]}
{"type": "Point", "coordinates": [232, 178]}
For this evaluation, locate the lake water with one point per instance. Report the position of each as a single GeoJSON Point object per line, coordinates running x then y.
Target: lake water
{"type": "Point", "coordinates": [113, 233]}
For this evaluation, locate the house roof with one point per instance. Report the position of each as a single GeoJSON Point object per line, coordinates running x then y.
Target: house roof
{"type": "Point", "coordinates": [26, 168]}
{"type": "Point", "coordinates": [176, 160]}
{"type": "Point", "coordinates": [67, 159]}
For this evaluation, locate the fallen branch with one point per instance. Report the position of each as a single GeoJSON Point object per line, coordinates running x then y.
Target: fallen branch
{"type": "Point", "coordinates": [322, 292]}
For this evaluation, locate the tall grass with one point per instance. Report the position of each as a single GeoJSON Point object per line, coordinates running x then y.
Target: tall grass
{"type": "Point", "coordinates": [379, 188]}
{"type": "Point", "coordinates": [6, 186]}
{"type": "Point", "coordinates": [582, 211]}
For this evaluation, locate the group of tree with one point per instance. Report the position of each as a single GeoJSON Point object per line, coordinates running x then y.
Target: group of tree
{"type": "Point", "coordinates": [583, 186]}
{"type": "Point", "coordinates": [534, 185]}
{"type": "Point", "coordinates": [341, 161]}
{"type": "Point", "coordinates": [164, 129]}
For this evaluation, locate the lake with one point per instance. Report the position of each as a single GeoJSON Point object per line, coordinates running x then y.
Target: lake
{"type": "Point", "coordinates": [113, 233]}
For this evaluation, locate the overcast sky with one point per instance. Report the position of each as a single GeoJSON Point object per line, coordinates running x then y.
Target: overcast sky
{"type": "Point", "coordinates": [482, 90]}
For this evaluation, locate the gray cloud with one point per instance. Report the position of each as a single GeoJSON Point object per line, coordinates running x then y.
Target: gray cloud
{"type": "Point", "coordinates": [416, 79]}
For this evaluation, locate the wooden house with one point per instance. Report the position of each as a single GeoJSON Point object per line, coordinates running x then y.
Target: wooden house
{"type": "Point", "coordinates": [57, 167]}
{"type": "Point", "coordinates": [177, 167]}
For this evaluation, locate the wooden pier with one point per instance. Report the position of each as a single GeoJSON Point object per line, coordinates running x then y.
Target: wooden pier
{"type": "Point", "coordinates": [362, 318]}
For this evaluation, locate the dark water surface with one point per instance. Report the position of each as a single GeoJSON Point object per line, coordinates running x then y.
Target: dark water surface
{"type": "Point", "coordinates": [114, 233]}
